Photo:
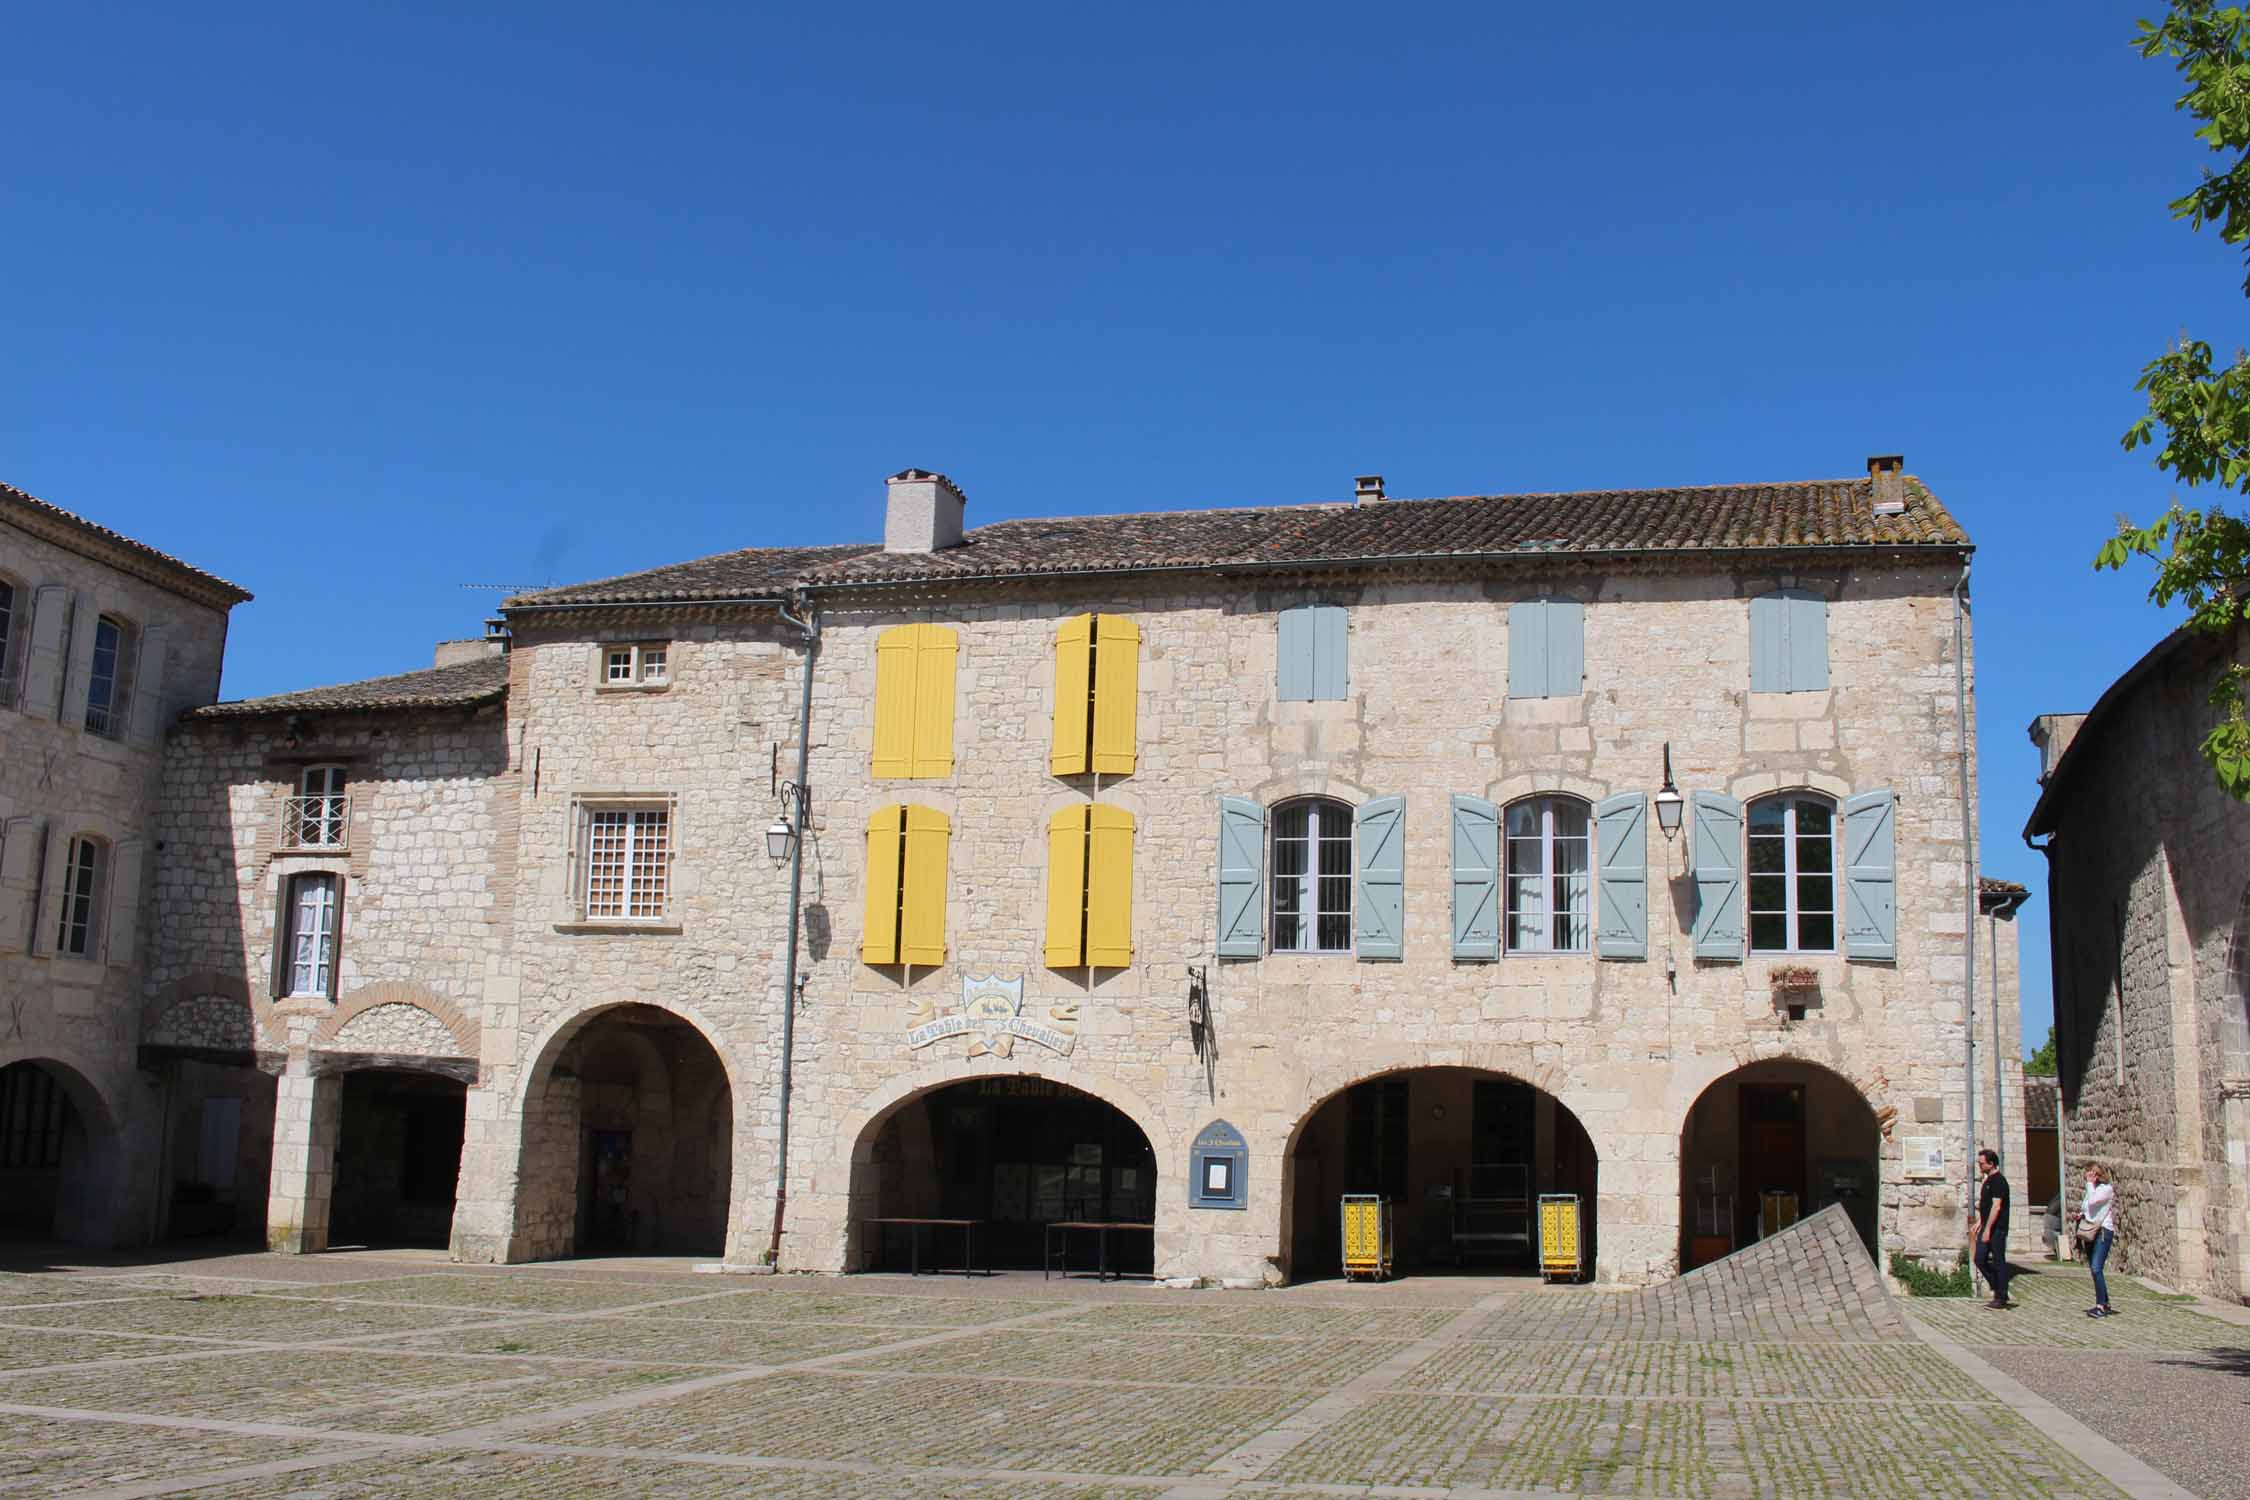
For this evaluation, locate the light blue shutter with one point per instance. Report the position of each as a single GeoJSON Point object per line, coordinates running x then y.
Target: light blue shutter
{"type": "Point", "coordinates": [1621, 844]}
{"type": "Point", "coordinates": [1566, 647]}
{"type": "Point", "coordinates": [1379, 900]}
{"type": "Point", "coordinates": [1716, 849]}
{"type": "Point", "coordinates": [1294, 678]}
{"type": "Point", "coordinates": [1769, 644]}
{"type": "Point", "coordinates": [1476, 878]}
{"type": "Point", "coordinates": [1331, 655]}
{"type": "Point", "coordinates": [1527, 649]}
{"type": "Point", "coordinates": [1808, 642]}
{"type": "Point", "coordinates": [1871, 876]}
{"type": "Point", "coordinates": [1242, 862]}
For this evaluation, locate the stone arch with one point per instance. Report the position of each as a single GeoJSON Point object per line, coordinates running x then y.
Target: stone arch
{"type": "Point", "coordinates": [1773, 783]}
{"type": "Point", "coordinates": [1437, 1102]}
{"type": "Point", "coordinates": [1833, 1121]}
{"type": "Point", "coordinates": [1696, 1074]}
{"type": "Point", "coordinates": [91, 1187]}
{"type": "Point", "coordinates": [1290, 785]}
{"type": "Point", "coordinates": [559, 1033]}
{"type": "Point", "coordinates": [1517, 787]}
{"type": "Point", "coordinates": [395, 992]}
{"type": "Point", "coordinates": [887, 1124]}
{"type": "Point", "coordinates": [266, 1028]}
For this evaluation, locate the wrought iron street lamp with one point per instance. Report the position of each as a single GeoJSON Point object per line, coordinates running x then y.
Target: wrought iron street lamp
{"type": "Point", "coordinates": [1668, 799]}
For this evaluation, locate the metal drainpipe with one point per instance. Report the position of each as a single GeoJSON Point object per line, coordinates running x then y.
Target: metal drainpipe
{"type": "Point", "coordinates": [809, 623]}
{"type": "Point", "coordinates": [1999, 1053]}
{"type": "Point", "coordinates": [1968, 865]}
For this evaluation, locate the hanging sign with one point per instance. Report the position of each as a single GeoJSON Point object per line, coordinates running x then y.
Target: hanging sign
{"type": "Point", "coordinates": [991, 1017]}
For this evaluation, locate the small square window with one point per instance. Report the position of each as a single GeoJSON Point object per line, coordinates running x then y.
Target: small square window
{"type": "Point", "coordinates": [620, 667]}
{"type": "Point", "coordinates": [642, 664]}
{"type": "Point", "coordinates": [652, 664]}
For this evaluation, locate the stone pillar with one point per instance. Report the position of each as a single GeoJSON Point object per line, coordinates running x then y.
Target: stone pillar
{"type": "Point", "coordinates": [307, 1114]}
{"type": "Point", "coordinates": [484, 1202]}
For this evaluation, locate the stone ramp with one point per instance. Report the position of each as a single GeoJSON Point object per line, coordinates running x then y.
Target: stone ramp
{"type": "Point", "coordinates": [1812, 1280]}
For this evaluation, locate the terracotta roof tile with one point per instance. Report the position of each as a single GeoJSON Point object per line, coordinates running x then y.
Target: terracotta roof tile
{"type": "Point", "coordinates": [2042, 1104]}
{"type": "Point", "coordinates": [162, 562]}
{"type": "Point", "coordinates": [1815, 514]}
{"type": "Point", "coordinates": [461, 684]}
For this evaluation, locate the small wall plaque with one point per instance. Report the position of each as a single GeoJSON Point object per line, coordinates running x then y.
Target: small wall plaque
{"type": "Point", "coordinates": [1218, 1163]}
{"type": "Point", "coordinates": [1925, 1157]}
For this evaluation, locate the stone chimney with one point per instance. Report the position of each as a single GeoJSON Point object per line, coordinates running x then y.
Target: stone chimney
{"type": "Point", "coordinates": [1367, 487]}
{"type": "Point", "coordinates": [453, 653]}
{"type": "Point", "coordinates": [2052, 733]}
{"type": "Point", "coordinates": [922, 513]}
{"type": "Point", "coordinates": [1887, 471]}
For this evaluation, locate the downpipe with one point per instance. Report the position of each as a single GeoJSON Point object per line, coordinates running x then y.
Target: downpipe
{"type": "Point", "coordinates": [808, 624]}
{"type": "Point", "coordinates": [1968, 879]}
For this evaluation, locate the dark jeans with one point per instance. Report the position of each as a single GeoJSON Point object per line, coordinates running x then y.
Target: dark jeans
{"type": "Point", "coordinates": [1992, 1262]}
{"type": "Point", "coordinates": [2098, 1260]}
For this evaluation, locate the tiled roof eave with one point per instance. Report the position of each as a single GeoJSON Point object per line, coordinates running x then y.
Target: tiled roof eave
{"type": "Point", "coordinates": [51, 523]}
{"type": "Point", "coordinates": [262, 708]}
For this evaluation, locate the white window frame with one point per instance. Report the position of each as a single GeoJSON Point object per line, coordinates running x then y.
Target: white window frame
{"type": "Point", "coordinates": [626, 666]}
{"type": "Point", "coordinates": [85, 878]}
{"type": "Point", "coordinates": [109, 719]}
{"type": "Point", "coordinates": [633, 819]}
{"type": "Point", "coordinates": [1550, 882]}
{"type": "Point", "coordinates": [1306, 894]}
{"type": "Point", "coordinates": [321, 817]}
{"type": "Point", "coordinates": [312, 950]}
{"type": "Point", "coordinates": [1792, 913]}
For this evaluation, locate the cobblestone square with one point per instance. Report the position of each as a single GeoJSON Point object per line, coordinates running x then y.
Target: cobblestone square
{"type": "Point", "coordinates": [317, 1380]}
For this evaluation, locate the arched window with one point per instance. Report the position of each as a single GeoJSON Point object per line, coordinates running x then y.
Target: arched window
{"type": "Point", "coordinates": [85, 871]}
{"type": "Point", "coordinates": [1550, 882]}
{"type": "Point", "coordinates": [1793, 874]}
{"type": "Point", "coordinates": [109, 684]}
{"type": "Point", "coordinates": [1312, 876]}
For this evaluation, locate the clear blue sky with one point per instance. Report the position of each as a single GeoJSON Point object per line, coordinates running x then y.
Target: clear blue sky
{"type": "Point", "coordinates": [355, 306]}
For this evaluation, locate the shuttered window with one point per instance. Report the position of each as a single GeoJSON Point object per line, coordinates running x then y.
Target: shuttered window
{"type": "Point", "coordinates": [1550, 884]}
{"type": "Point", "coordinates": [1312, 877]}
{"type": "Point", "coordinates": [1090, 888]}
{"type": "Point", "coordinates": [914, 688]}
{"type": "Point", "coordinates": [1311, 647]}
{"type": "Point", "coordinates": [12, 622]}
{"type": "Point", "coordinates": [628, 863]}
{"type": "Point", "coordinates": [1546, 648]}
{"type": "Point", "coordinates": [1476, 879]}
{"type": "Point", "coordinates": [1871, 875]}
{"type": "Point", "coordinates": [1715, 859]}
{"type": "Point", "coordinates": [1097, 692]}
{"type": "Point", "coordinates": [80, 932]}
{"type": "Point", "coordinates": [311, 939]}
{"type": "Point", "coordinates": [1242, 864]}
{"type": "Point", "coordinates": [1788, 642]}
{"type": "Point", "coordinates": [907, 850]}
{"type": "Point", "coordinates": [1792, 875]}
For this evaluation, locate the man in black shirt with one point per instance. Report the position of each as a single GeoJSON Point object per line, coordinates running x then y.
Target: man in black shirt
{"type": "Point", "coordinates": [1991, 1225]}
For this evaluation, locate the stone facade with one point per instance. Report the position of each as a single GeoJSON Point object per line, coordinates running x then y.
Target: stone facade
{"type": "Point", "coordinates": [73, 774]}
{"type": "Point", "coordinates": [621, 1079]}
{"type": "Point", "coordinates": [2150, 883]}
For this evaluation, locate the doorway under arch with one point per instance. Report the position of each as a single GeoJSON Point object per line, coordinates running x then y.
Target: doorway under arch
{"type": "Point", "coordinates": [629, 1140]}
{"type": "Point", "coordinates": [1462, 1154]}
{"type": "Point", "coordinates": [398, 1158]}
{"type": "Point", "coordinates": [1016, 1154]}
{"type": "Point", "coordinates": [59, 1156]}
{"type": "Point", "coordinates": [1768, 1144]}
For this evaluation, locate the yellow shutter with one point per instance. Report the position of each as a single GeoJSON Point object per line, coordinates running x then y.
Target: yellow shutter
{"type": "Point", "coordinates": [935, 647]}
{"type": "Point", "coordinates": [878, 943]}
{"type": "Point", "coordinates": [1117, 690]}
{"type": "Point", "coordinates": [1109, 889]}
{"type": "Point", "coordinates": [1074, 644]}
{"type": "Point", "coordinates": [1066, 888]}
{"type": "Point", "coordinates": [894, 700]}
{"type": "Point", "coordinates": [922, 923]}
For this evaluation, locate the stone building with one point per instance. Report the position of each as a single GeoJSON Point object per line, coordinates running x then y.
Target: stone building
{"type": "Point", "coordinates": [1190, 869]}
{"type": "Point", "coordinates": [102, 641]}
{"type": "Point", "coordinates": [2149, 882]}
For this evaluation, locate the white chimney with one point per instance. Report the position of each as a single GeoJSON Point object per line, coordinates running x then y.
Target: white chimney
{"type": "Point", "coordinates": [922, 512]}
{"type": "Point", "coordinates": [1367, 487]}
{"type": "Point", "coordinates": [1887, 472]}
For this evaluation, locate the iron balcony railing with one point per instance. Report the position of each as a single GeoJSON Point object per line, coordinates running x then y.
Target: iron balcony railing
{"type": "Point", "coordinates": [316, 822]}
{"type": "Point", "coordinates": [109, 719]}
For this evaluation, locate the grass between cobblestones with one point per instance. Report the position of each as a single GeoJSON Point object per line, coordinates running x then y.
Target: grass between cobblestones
{"type": "Point", "coordinates": [579, 1381]}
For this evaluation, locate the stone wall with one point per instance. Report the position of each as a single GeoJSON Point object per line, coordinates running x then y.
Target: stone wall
{"type": "Point", "coordinates": [58, 781]}
{"type": "Point", "coordinates": [2149, 869]}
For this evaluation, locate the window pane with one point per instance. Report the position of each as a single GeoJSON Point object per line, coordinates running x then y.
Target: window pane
{"type": "Point", "coordinates": [1766, 855]}
{"type": "Point", "coordinates": [1288, 933]}
{"type": "Point", "coordinates": [1768, 816]}
{"type": "Point", "coordinates": [605, 864]}
{"type": "Point", "coordinates": [1815, 855]}
{"type": "Point", "coordinates": [1769, 933]}
{"type": "Point", "coordinates": [1292, 822]}
{"type": "Point", "coordinates": [1523, 820]}
{"type": "Point", "coordinates": [1569, 818]}
{"type": "Point", "coordinates": [1769, 893]}
{"type": "Point", "coordinates": [1572, 908]}
{"type": "Point", "coordinates": [1816, 934]}
{"type": "Point", "coordinates": [1813, 817]}
{"type": "Point", "coordinates": [1335, 933]}
{"type": "Point", "coordinates": [1816, 893]}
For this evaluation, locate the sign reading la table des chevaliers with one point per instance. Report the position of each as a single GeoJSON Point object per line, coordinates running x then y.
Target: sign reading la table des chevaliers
{"type": "Point", "coordinates": [991, 1017]}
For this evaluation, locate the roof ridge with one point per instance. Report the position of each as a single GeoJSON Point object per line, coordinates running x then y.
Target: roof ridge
{"type": "Point", "coordinates": [195, 577]}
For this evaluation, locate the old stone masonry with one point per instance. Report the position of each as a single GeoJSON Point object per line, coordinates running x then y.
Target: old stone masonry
{"type": "Point", "coordinates": [1581, 880]}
